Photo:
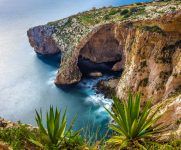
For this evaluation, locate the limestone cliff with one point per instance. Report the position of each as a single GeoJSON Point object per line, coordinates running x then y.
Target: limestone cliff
{"type": "Point", "coordinates": [144, 39]}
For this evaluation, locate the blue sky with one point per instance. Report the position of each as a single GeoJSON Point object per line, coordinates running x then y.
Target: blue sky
{"type": "Point", "coordinates": [20, 8]}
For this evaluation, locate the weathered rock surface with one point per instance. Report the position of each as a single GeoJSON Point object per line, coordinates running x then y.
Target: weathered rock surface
{"type": "Point", "coordinates": [171, 115]}
{"type": "Point", "coordinates": [108, 87]}
{"type": "Point", "coordinates": [40, 38]}
{"type": "Point", "coordinates": [4, 146]}
{"type": "Point", "coordinates": [145, 40]}
{"type": "Point", "coordinates": [103, 46]}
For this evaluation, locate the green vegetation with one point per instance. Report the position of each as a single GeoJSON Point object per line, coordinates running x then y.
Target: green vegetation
{"type": "Point", "coordinates": [88, 19]}
{"type": "Point", "coordinates": [94, 140]}
{"type": "Point", "coordinates": [134, 127]}
{"type": "Point", "coordinates": [172, 145]}
{"type": "Point", "coordinates": [57, 136]}
{"type": "Point", "coordinates": [155, 29]}
{"type": "Point", "coordinates": [111, 13]}
{"type": "Point", "coordinates": [124, 12]}
{"type": "Point", "coordinates": [17, 137]}
{"type": "Point", "coordinates": [139, 3]}
{"type": "Point", "coordinates": [121, 13]}
{"type": "Point", "coordinates": [133, 11]}
{"type": "Point", "coordinates": [100, 15]}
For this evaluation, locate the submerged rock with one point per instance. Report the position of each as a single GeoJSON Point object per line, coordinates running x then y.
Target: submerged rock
{"type": "Point", "coordinates": [95, 74]}
{"type": "Point", "coordinates": [108, 87]}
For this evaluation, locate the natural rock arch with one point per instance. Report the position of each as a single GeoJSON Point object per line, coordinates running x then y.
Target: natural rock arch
{"type": "Point", "coordinates": [102, 44]}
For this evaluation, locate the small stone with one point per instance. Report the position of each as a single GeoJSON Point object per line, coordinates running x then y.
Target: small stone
{"type": "Point", "coordinates": [95, 74]}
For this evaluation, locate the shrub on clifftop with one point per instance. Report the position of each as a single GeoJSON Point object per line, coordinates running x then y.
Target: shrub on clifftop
{"type": "Point", "coordinates": [56, 135]}
{"type": "Point", "coordinates": [134, 127]}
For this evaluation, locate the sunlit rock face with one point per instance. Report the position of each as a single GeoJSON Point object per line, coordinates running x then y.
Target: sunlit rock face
{"type": "Point", "coordinates": [153, 59]}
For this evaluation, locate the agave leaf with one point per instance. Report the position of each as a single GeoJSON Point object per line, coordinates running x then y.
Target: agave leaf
{"type": "Point", "coordinates": [118, 130]}
{"type": "Point", "coordinates": [117, 119]}
{"type": "Point", "coordinates": [57, 122]}
{"type": "Point", "coordinates": [136, 107]}
{"type": "Point", "coordinates": [120, 113]}
{"type": "Point", "coordinates": [64, 118]}
{"type": "Point", "coordinates": [127, 117]}
{"type": "Point", "coordinates": [130, 103]}
{"type": "Point", "coordinates": [158, 126]}
{"type": "Point", "coordinates": [37, 143]}
{"type": "Point", "coordinates": [134, 128]}
{"type": "Point", "coordinates": [116, 139]}
{"type": "Point", "coordinates": [48, 127]}
{"type": "Point", "coordinates": [124, 144]}
{"type": "Point", "coordinates": [150, 122]}
{"type": "Point", "coordinates": [144, 114]}
{"type": "Point", "coordinates": [51, 121]}
{"type": "Point", "coordinates": [150, 118]}
{"type": "Point", "coordinates": [144, 134]}
{"type": "Point", "coordinates": [62, 130]}
{"type": "Point", "coordinates": [39, 122]}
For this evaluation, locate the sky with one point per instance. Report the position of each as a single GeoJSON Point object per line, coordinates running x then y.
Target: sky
{"type": "Point", "coordinates": [16, 9]}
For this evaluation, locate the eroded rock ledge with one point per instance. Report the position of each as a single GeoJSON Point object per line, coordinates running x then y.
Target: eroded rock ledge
{"type": "Point", "coordinates": [144, 39]}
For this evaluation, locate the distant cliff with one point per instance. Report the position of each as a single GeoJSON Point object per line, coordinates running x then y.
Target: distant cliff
{"type": "Point", "coordinates": [144, 39]}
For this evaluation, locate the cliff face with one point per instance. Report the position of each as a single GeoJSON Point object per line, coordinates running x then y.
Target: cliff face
{"type": "Point", "coordinates": [153, 56]}
{"type": "Point", "coordinates": [144, 39]}
{"type": "Point", "coordinates": [40, 38]}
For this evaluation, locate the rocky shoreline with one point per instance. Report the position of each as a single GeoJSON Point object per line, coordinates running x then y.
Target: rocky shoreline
{"type": "Point", "coordinates": [107, 87]}
{"type": "Point", "coordinates": [16, 128]}
{"type": "Point", "coordinates": [143, 40]}
{"type": "Point", "coordinates": [146, 48]}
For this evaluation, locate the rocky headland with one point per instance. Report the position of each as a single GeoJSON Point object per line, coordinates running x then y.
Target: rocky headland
{"type": "Point", "coordinates": [143, 39]}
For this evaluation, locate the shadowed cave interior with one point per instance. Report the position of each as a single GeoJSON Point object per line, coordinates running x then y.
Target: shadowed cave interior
{"type": "Point", "coordinates": [101, 52]}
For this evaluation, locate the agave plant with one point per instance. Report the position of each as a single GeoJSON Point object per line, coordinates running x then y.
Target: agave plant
{"type": "Point", "coordinates": [55, 135]}
{"type": "Point", "coordinates": [133, 127]}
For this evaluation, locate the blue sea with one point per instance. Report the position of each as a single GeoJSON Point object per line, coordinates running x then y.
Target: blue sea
{"type": "Point", "coordinates": [26, 80]}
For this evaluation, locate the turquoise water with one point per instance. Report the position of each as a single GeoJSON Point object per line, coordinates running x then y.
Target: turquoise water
{"type": "Point", "coordinates": [26, 81]}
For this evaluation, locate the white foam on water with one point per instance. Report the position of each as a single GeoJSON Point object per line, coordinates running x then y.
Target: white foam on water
{"type": "Point", "coordinates": [101, 101]}
{"type": "Point", "coordinates": [52, 78]}
{"type": "Point", "coordinates": [95, 99]}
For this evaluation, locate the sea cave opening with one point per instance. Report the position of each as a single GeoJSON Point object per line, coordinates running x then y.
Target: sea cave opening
{"type": "Point", "coordinates": [102, 54]}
